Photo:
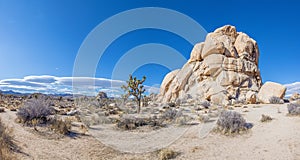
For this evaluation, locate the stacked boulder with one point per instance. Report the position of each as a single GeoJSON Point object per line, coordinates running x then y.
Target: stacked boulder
{"type": "Point", "coordinates": [222, 69]}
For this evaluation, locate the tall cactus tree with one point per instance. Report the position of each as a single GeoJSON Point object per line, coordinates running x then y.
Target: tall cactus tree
{"type": "Point", "coordinates": [135, 88]}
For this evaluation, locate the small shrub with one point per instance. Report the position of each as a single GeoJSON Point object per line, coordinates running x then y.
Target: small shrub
{"type": "Point", "coordinates": [131, 122]}
{"type": "Point", "coordinates": [205, 104]}
{"type": "Point", "coordinates": [265, 118]}
{"type": "Point", "coordinates": [166, 154]}
{"type": "Point", "coordinates": [172, 104]}
{"type": "Point", "coordinates": [60, 126]}
{"type": "Point", "coordinates": [7, 145]}
{"type": "Point", "coordinates": [231, 122]}
{"type": "Point", "coordinates": [204, 118]}
{"type": "Point", "coordinates": [294, 108]}
{"type": "Point", "coordinates": [2, 109]}
{"type": "Point", "coordinates": [275, 100]}
{"type": "Point", "coordinates": [35, 109]}
{"type": "Point", "coordinates": [171, 114]}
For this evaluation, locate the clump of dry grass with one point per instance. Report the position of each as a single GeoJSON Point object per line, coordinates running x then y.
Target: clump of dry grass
{"type": "Point", "coordinates": [166, 154]}
{"type": "Point", "coordinates": [231, 122]}
{"type": "Point", "coordinates": [294, 108]}
{"type": "Point", "coordinates": [265, 118]}
{"type": "Point", "coordinates": [7, 145]}
{"type": "Point", "coordinates": [60, 126]}
{"type": "Point", "coordinates": [275, 100]}
{"type": "Point", "coordinates": [35, 111]}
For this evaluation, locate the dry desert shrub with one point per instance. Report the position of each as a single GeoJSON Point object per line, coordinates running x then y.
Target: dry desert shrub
{"type": "Point", "coordinates": [230, 122]}
{"type": "Point", "coordinates": [294, 108]}
{"type": "Point", "coordinates": [171, 114]}
{"type": "Point", "coordinates": [275, 100]}
{"type": "Point", "coordinates": [2, 109]}
{"type": "Point", "coordinates": [205, 104]}
{"type": "Point", "coordinates": [7, 145]}
{"type": "Point", "coordinates": [265, 118]}
{"type": "Point", "coordinates": [165, 154]}
{"type": "Point", "coordinates": [35, 111]}
{"type": "Point", "coordinates": [60, 126]}
{"type": "Point", "coordinates": [133, 122]}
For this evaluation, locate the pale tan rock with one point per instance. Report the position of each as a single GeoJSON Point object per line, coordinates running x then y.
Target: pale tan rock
{"type": "Point", "coordinates": [247, 47]}
{"type": "Point", "coordinates": [196, 52]}
{"type": "Point", "coordinates": [212, 46]}
{"type": "Point", "coordinates": [270, 89]}
{"type": "Point", "coordinates": [295, 96]}
{"type": "Point", "coordinates": [167, 81]}
{"type": "Point", "coordinates": [219, 99]}
{"type": "Point", "coordinates": [251, 97]}
{"type": "Point", "coordinates": [227, 30]}
{"type": "Point", "coordinates": [217, 70]}
{"type": "Point", "coordinates": [212, 64]}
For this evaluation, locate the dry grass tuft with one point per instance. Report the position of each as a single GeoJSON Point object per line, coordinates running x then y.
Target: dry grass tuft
{"type": "Point", "coordinates": [231, 122]}
{"type": "Point", "coordinates": [166, 154]}
{"type": "Point", "coordinates": [266, 118]}
{"type": "Point", "coordinates": [60, 126]}
{"type": "Point", "coordinates": [7, 145]}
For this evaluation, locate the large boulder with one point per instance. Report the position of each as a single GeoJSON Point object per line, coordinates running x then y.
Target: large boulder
{"type": "Point", "coordinates": [295, 96]}
{"type": "Point", "coordinates": [222, 68]}
{"type": "Point", "coordinates": [270, 89]}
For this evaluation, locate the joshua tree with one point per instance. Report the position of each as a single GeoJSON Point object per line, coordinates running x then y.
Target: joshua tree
{"type": "Point", "coordinates": [135, 88]}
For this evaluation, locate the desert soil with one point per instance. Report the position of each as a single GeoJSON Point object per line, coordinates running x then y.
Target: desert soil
{"type": "Point", "coordinates": [277, 139]}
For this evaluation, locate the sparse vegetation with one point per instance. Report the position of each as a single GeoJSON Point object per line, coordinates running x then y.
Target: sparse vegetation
{"type": "Point", "coordinates": [60, 126]}
{"type": "Point", "coordinates": [7, 145]}
{"type": "Point", "coordinates": [171, 114]}
{"type": "Point", "coordinates": [231, 122]}
{"type": "Point", "coordinates": [275, 100]}
{"type": "Point", "coordinates": [135, 88]}
{"type": "Point", "coordinates": [133, 122]}
{"type": "Point", "coordinates": [2, 109]}
{"type": "Point", "coordinates": [203, 118]}
{"type": "Point", "coordinates": [265, 118]}
{"type": "Point", "coordinates": [165, 154]}
{"type": "Point", "coordinates": [294, 108]}
{"type": "Point", "coordinates": [205, 104]}
{"type": "Point", "coordinates": [35, 111]}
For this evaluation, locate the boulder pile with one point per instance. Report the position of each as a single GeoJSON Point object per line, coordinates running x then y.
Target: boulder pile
{"type": "Point", "coordinates": [222, 69]}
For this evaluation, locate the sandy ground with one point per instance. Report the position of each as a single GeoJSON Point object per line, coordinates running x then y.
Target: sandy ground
{"type": "Point", "coordinates": [278, 139]}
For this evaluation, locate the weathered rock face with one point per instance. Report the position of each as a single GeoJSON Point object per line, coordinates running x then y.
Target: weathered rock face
{"type": "Point", "coordinates": [271, 89]}
{"type": "Point", "coordinates": [222, 68]}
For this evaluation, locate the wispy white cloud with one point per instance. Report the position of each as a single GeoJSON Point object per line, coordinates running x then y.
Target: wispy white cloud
{"type": "Point", "coordinates": [292, 88]}
{"type": "Point", "coordinates": [61, 85]}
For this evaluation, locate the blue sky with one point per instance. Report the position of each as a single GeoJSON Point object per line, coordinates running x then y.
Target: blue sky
{"type": "Point", "coordinates": [43, 37]}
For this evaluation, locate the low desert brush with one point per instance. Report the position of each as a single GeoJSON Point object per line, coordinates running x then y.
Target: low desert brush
{"type": "Point", "coordinates": [275, 100]}
{"type": "Point", "coordinates": [61, 126]}
{"type": "Point", "coordinates": [7, 145]}
{"type": "Point", "coordinates": [166, 154]}
{"type": "Point", "coordinates": [265, 118]}
{"type": "Point", "coordinates": [294, 108]}
{"type": "Point", "coordinates": [35, 110]}
{"type": "Point", "coordinates": [231, 122]}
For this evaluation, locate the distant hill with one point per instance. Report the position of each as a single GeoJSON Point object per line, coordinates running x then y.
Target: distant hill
{"type": "Point", "coordinates": [12, 92]}
{"type": "Point", "coordinates": [18, 93]}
